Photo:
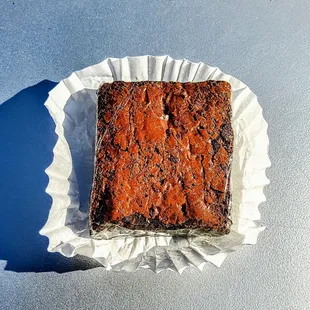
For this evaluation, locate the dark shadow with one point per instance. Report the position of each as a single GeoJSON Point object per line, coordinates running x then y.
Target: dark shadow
{"type": "Point", "coordinates": [27, 139]}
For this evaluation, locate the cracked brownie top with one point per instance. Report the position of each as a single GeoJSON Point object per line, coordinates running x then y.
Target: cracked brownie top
{"type": "Point", "coordinates": [163, 156]}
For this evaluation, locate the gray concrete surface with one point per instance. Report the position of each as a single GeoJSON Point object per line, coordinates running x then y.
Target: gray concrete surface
{"type": "Point", "coordinates": [266, 44]}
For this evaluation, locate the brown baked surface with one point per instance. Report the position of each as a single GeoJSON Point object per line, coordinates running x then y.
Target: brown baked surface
{"type": "Point", "coordinates": [163, 156]}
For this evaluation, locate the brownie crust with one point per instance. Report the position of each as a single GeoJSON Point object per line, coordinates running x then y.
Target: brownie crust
{"type": "Point", "coordinates": [163, 156]}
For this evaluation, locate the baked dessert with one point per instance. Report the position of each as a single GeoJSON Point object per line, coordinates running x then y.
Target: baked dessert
{"type": "Point", "coordinates": [163, 157]}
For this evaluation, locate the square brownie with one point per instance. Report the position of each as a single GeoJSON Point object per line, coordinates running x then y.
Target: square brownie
{"type": "Point", "coordinates": [163, 157]}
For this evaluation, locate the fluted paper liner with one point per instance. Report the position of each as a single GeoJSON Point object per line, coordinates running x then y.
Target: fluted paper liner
{"type": "Point", "coordinates": [72, 105]}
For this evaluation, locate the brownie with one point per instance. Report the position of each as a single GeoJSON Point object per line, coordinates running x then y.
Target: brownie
{"type": "Point", "coordinates": [163, 157]}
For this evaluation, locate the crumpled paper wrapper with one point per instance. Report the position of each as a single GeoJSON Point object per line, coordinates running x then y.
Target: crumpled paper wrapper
{"type": "Point", "coordinates": [72, 105]}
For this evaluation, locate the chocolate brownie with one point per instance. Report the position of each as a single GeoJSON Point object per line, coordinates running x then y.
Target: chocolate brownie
{"type": "Point", "coordinates": [163, 156]}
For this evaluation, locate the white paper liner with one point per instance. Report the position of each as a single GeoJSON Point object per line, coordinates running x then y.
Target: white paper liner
{"type": "Point", "coordinates": [72, 105]}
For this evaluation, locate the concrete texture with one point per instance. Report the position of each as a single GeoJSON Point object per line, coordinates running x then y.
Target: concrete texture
{"type": "Point", "coordinates": [266, 44]}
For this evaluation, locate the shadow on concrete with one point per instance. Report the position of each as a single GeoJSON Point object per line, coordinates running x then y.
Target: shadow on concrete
{"type": "Point", "coordinates": [27, 139]}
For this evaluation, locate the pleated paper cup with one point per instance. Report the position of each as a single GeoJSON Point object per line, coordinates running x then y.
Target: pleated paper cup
{"type": "Point", "coordinates": [72, 105]}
